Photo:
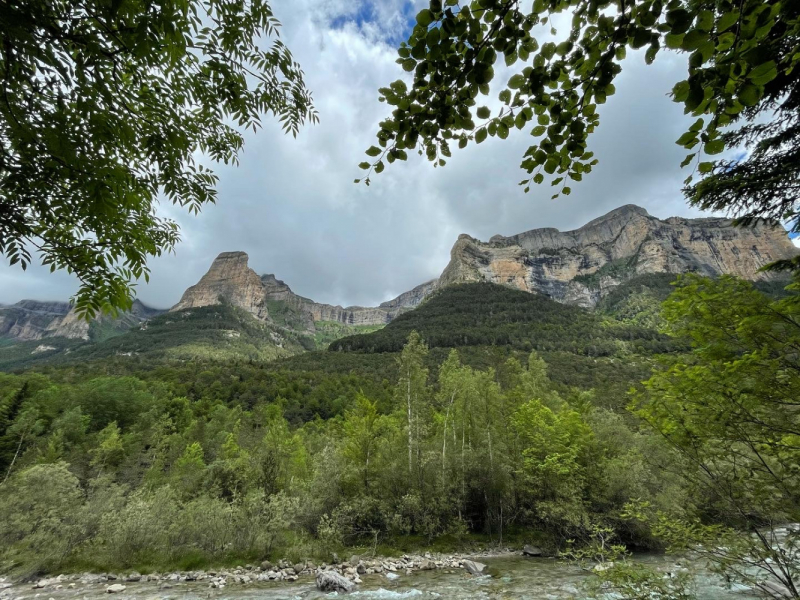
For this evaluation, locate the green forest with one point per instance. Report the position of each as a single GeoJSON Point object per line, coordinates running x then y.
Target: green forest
{"type": "Point", "coordinates": [487, 415]}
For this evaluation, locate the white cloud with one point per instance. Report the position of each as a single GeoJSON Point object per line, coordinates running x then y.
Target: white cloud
{"type": "Point", "coordinates": [293, 207]}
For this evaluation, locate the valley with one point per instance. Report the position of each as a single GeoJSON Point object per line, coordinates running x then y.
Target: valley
{"type": "Point", "coordinates": [512, 401]}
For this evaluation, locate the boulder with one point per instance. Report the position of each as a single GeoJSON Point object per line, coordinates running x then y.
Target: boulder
{"type": "Point", "coordinates": [329, 581]}
{"type": "Point", "coordinates": [531, 551]}
{"type": "Point", "coordinates": [115, 588]}
{"type": "Point", "coordinates": [266, 566]}
{"type": "Point", "coordinates": [299, 568]}
{"type": "Point", "coordinates": [426, 565]}
{"type": "Point", "coordinates": [133, 577]}
{"type": "Point", "coordinates": [361, 569]}
{"type": "Point", "coordinates": [473, 567]}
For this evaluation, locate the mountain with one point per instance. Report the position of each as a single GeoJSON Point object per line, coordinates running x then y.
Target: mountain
{"type": "Point", "coordinates": [30, 320]}
{"type": "Point", "coordinates": [582, 266]}
{"type": "Point", "coordinates": [231, 280]}
{"type": "Point", "coordinates": [574, 267]}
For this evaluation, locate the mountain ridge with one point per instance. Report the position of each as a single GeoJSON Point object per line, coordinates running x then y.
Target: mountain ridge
{"type": "Point", "coordinates": [579, 266]}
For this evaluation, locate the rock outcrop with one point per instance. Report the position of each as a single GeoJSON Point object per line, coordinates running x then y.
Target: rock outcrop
{"type": "Point", "coordinates": [230, 280]}
{"type": "Point", "coordinates": [581, 266]}
{"type": "Point", "coordinates": [33, 320]}
{"type": "Point", "coordinates": [575, 267]}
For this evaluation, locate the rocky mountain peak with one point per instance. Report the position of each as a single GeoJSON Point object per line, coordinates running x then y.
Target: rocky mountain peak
{"type": "Point", "coordinates": [582, 265]}
{"type": "Point", "coordinates": [229, 279]}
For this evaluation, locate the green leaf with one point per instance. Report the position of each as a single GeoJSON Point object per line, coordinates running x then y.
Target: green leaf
{"type": "Point", "coordinates": [373, 151]}
{"type": "Point", "coordinates": [480, 135]}
{"type": "Point", "coordinates": [364, 165]}
{"type": "Point", "coordinates": [728, 20]}
{"type": "Point", "coordinates": [706, 167]}
{"type": "Point", "coordinates": [673, 41]}
{"type": "Point", "coordinates": [688, 159]}
{"type": "Point", "coordinates": [763, 73]}
{"type": "Point", "coordinates": [409, 64]}
{"type": "Point", "coordinates": [714, 147]}
{"type": "Point", "coordinates": [425, 17]}
{"type": "Point", "coordinates": [516, 81]}
{"type": "Point", "coordinates": [687, 138]}
{"type": "Point", "coordinates": [484, 112]}
{"type": "Point", "coordinates": [750, 94]}
{"type": "Point", "coordinates": [538, 130]}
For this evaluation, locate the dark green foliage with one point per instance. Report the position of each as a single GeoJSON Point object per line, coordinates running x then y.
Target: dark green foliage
{"type": "Point", "coordinates": [108, 107]}
{"type": "Point", "coordinates": [484, 314]}
{"type": "Point", "coordinates": [220, 332]}
{"type": "Point", "coordinates": [741, 89]}
{"type": "Point", "coordinates": [621, 268]}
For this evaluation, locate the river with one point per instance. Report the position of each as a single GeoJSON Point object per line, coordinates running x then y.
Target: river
{"type": "Point", "coordinates": [517, 578]}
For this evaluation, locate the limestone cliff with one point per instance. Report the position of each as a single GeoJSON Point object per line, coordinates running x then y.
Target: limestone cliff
{"type": "Point", "coordinates": [33, 320]}
{"type": "Point", "coordinates": [581, 266]}
{"type": "Point", "coordinates": [230, 280]}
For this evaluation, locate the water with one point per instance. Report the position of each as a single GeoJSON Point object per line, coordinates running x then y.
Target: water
{"type": "Point", "coordinates": [518, 578]}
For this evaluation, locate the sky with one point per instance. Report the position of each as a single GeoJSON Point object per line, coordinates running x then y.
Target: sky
{"type": "Point", "coordinates": [291, 204]}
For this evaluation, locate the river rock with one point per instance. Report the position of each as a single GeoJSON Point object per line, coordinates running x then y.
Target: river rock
{"type": "Point", "coordinates": [531, 551]}
{"type": "Point", "coordinates": [299, 568]}
{"type": "Point", "coordinates": [473, 567]}
{"type": "Point", "coordinates": [266, 566]}
{"type": "Point", "coordinates": [361, 569]}
{"type": "Point", "coordinates": [329, 581]}
{"type": "Point", "coordinates": [133, 577]}
{"type": "Point", "coordinates": [426, 565]}
{"type": "Point", "coordinates": [115, 588]}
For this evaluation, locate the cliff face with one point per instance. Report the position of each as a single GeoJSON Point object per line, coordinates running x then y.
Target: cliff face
{"type": "Point", "coordinates": [230, 280]}
{"type": "Point", "coordinates": [574, 267]}
{"type": "Point", "coordinates": [32, 320]}
{"type": "Point", "coordinates": [581, 266]}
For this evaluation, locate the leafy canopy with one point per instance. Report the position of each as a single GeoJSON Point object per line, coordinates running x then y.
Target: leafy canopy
{"type": "Point", "coordinates": [108, 107]}
{"type": "Point", "coordinates": [741, 87]}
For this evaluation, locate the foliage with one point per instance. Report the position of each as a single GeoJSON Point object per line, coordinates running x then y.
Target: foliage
{"type": "Point", "coordinates": [108, 107]}
{"type": "Point", "coordinates": [178, 467]}
{"type": "Point", "coordinates": [741, 88]}
{"type": "Point", "coordinates": [174, 459]}
{"type": "Point", "coordinates": [485, 314]}
{"type": "Point", "coordinates": [730, 410]}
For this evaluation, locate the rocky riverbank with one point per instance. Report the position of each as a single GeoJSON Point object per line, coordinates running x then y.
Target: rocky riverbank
{"type": "Point", "coordinates": [282, 571]}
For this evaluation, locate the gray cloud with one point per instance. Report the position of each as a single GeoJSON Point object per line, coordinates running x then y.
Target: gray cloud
{"type": "Point", "coordinates": [293, 207]}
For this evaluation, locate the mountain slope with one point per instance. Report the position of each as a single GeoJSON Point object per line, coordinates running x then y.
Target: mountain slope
{"type": "Point", "coordinates": [582, 266]}
{"type": "Point", "coordinates": [480, 314]}
{"type": "Point", "coordinates": [30, 320]}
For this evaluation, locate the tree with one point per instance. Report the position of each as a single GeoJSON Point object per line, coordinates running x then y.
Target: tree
{"type": "Point", "coordinates": [106, 108]}
{"type": "Point", "coordinates": [364, 428]}
{"type": "Point", "coordinates": [741, 87]}
{"type": "Point", "coordinates": [412, 394]}
{"type": "Point", "coordinates": [730, 409]}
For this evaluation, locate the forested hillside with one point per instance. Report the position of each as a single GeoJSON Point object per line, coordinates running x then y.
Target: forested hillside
{"type": "Point", "coordinates": [485, 412]}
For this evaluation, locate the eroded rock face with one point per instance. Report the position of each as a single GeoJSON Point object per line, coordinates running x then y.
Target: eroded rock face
{"type": "Point", "coordinates": [33, 320]}
{"type": "Point", "coordinates": [581, 266]}
{"type": "Point", "coordinates": [228, 280]}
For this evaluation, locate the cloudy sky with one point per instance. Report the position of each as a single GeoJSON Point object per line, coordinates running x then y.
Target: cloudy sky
{"type": "Point", "coordinates": [292, 206]}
